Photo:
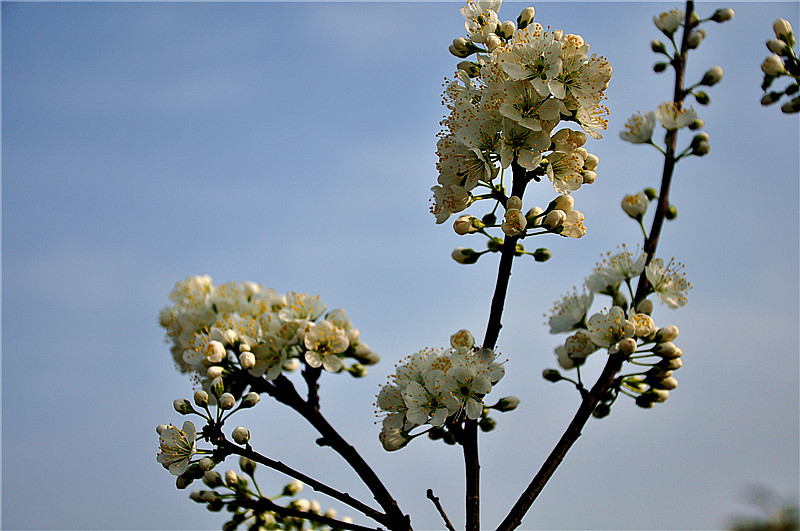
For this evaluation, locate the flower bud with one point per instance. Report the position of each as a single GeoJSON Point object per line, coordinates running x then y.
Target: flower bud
{"type": "Point", "coordinates": [651, 193]}
{"type": "Point", "coordinates": [247, 465]}
{"type": "Point", "coordinates": [393, 439]}
{"type": "Point", "coordinates": [658, 47]}
{"type": "Point", "coordinates": [160, 428]}
{"type": "Point", "coordinates": [231, 478]}
{"type": "Point", "coordinates": [667, 383]}
{"type": "Point", "coordinates": [182, 482]}
{"type": "Point", "coordinates": [492, 43]}
{"type": "Point", "coordinates": [467, 225]}
{"type": "Point", "coordinates": [601, 410]}
{"type": "Point", "coordinates": [247, 360]}
{"type": "Point", "coordinates": [770, 97]}
{"type": "Point", "coordinates": [791, 106]}
{"type": "Point", "coordinates": [514, 203]}
{"type": "Point", "coordinates": [712, 76]}
{"type": "Point", "coordinates": [182, 406]}
{"type": "Point", "coordinates": [214, 352]}
{"type": "Point", "coordinates": [773, 66]}
{"type": "Point", "coordinates": [660, 67]}
{"type": "Point", "coordinates": [660, 395]}
{"type": "Point", "coordinates": [462, 45]}
{"type": "Point", "coordinates": [462, 341]}
{"type": "Point", "coordinates": [471, 69]}
{"type": "Point", "coordinates": [777, 46]}
{"type": "Point", "coordinates": [627, 346]}
{"type": "Point", "coordinates": [702, 97]}
{"type": "Point", "coordinates": [293, 488]}
{"type": "Point", "coordinates": [552, 375]}
{"type": "Point", "coordinates": [489, 219]}
{"type": "Point", "coordinates": [507, 29]}
{"type": "Point", "coordinates": [645, 307]}
{"type": "Point", "coordinates": [525, 17]}
{"type": "Point", "coordinates": [672, 210]}
{"type": "Point", "coordinates": [701, 149]}
{"type": "Point", "coordinates": [215, 371]}
{"type": "Point", "coordinates": [542, 255]}
{"type": "Point", "coordinates": [670, 365]}
{"type": "Point", "coordinates": [197, 496]}
{"type": "Point", "coordinates": [667, 350]}
{"type": "Point", "coordinates": [212, 478]}
{"type": "Point", "coordinates": [696, 124]}
{"type": "Point", "coordinates": [206, 464]}
{"type": "Point", "coordinates": [590, 162]}
{"type": "Point", "coordinates": [465, 256]}
{"type": "Point", "coordinates": [209, 496]}
{"type": "Point", "coordinates": [783, 31]}
{"type": "Point", "coordinates": [227, 401]}
{"type": "Point", "coordinates": [241, 435]}
{"type": "Point", "coordinates": [508, 403]}
{"type": "Point", "coordinates": [201, 398]}
{"type": "Point", "coordinates": [554, 219]}
{"type": "Point", "coordinates": [645, 401]}
{"type": "Point", "coordinates": [562, 202]}
{"type": "Point", "coordinates": [494, 244]}
{"type": "Point", "coordinates": [722, 14]}
{"type": "Point", "coordinates": [534, 216]}
{"type": "Point", "coordinates": [696, 37]}
{"type": "Point", "coordinates": [635, 205]}
{"type": "Point", "coordinates": [667, 333]}
{"type": "Point", "coordinates": [357, 370]}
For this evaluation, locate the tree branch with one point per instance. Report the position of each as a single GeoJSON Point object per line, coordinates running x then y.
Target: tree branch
{"type": "Point", "coordinates": [439, 508]}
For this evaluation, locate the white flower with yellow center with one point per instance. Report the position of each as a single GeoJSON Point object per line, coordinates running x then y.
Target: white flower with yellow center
{"type": "Point", "coordinates": [564, 171]}
{"type": "Point", "coordinates": [569, 311]}
{"type": "Point", "coordinates": [177, 447]}
{"type": "Point", "coordinates": [668, 282]}
{"type": "Point", "coordinates": [535, 60]}
{"type": "Point", "coordinates": [635, 205]}
{"type": "Point", "coordinates": [481, 18]}
{"type": "Point", "coordinates": [301, 307]}
{"type": "Point", "coordinates": [426, 403]}
{"type": "Point", "coordinates": [523, 105]}
{"type": "Point", "coordinates": [325, 342]}
{"type": "Point", "coordinates": [523, 145]}
{"type": "Point", "coordinates": [449, 199]}
{"type": "Point", "coordinates": [606, 330]}
{"type": "Point", "coordinates": [466, 388]}
{"type": "Point", "coordinates": [673, 117]}
{"type": "Point", "coordinates": [639, 128]}
{"type": "Point", "coordinates": [669, 21]}
{"type": "Point", "coordinates": [270, 357]}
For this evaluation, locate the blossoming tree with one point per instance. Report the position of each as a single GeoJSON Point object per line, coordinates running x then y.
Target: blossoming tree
{"type": "Point", "coordinates": [521, 108]}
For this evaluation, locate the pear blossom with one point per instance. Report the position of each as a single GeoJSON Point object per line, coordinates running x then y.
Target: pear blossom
{"type": "Point", "coordinates": [564, 171]}
{"type": "Point", "coordinates": [606, 330]}
{"type": "Point", "coordinates": [325, 342]}
{"type": "Point", "coordinates": [668, 282]}
{"type": "Point", "coordinates": [523, 145]}
{"type": "Point", "coordinates": [570, 311]}
{"type": "Point", "coordinates": [481, 18]}
{"type": "Point", "coordinates": [177, 447]}
{"type": "Point", "coordinates": [426, 403]}
{"type": "Point", "coordinates": [639, 128]}
{"type": "Point", "coordinates": [673, 117]}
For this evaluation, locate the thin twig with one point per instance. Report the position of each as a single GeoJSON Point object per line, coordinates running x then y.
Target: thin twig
{"type": "Point", "coordinates": [261, 505]}
{"type": "Point", "coordinates": [439, 508]}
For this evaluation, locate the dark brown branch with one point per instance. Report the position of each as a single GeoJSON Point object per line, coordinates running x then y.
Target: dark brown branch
{"type": "Point", "coordinates": [284, 391]}
{"type": "Point", "coordinates": [225, 448]}
{"type": "Point", "coordinates": [614, 363]}
{"type": "Point", "coordinates": [439, 508]}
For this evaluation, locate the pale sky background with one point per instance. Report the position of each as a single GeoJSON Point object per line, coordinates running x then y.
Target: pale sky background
{"type": "Point", "coordinates": [293, 145]}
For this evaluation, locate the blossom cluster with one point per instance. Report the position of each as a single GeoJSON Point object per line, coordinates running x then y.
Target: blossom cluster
{"type": "Point", "coordinates": [506, 103]}
{"type": "Point", "coordinates": [433, 385]}
{"type": "Point", "coordinates": [220, 330]}
{"type": "Point", "coordinates": [619, 329]}
{"type": "Point", "coordinates": [783, 62]}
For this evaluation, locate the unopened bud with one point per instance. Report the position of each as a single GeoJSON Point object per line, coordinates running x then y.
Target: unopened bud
{"type": "Point", "coordinates": [200, 398]}
{"type": "Point", "coordinates": [214, 371]}
{"type": "Point", "coordinates": [791, 106]}
{"type": "Point", "coordinates": [702, 97]}
{"type": "Point", "coordinates": [489, 219]}
{"type": "Point", "coordinates": [701, 149]}
{"type": "Point", "coordinates": [494, 244]}
{"type": "Point", "coordinates": [667, 383]}
{"type": "Point", "coordinates": [507, 29]}
{"type": "Point", "coordinates": [722, 14]}
{"type": "Point", "coordinates": [645, 401]}
{"type": "Point", "coordinates": [667, 333]}
{"type": "Point", "coordinates": [247, 360]}
{"type": "Point", "coordinates": [672, 211]}
{"type": "Point", "coordinates": [666, 350]}
{"type": "Point", "coordinates": [231, 478]}
{"type": "Point", "coordinates": [646, 306]}
{"type": "Point", "coordinates": [465, 256]}
{"type": "Point", "coordinates": [514, 203]}
{"type": "Point", "coordinates": [182, 482]}
{"type": "Point", "coordinates": [182, 406]}
{"type": "Point", "coordinates": [658, 47]}
{"type": "Point", "coordinates": [212, 479]}
{"type": "Point", "coordinates": [534, 216]}
{"type": "Point", "coordinates": [250, 399]}
{"type": "Point", "coordinates": [227, 401]}
{"type": "Point", "coordinates": [241, 435]}
{"type": "Point", "coordinates": [247, 465]}
{"type": "Point", "coordinates": [357, 370]}
{"type": "Point", "coordinates": [294, 488]}
{"type": "Point", "coordinates": [562, 202]}
{"type": "Point", "coordinates": [660, 395]}
{"type": "Point", "coordinates": [467, 225]}
{"type": "Point", "coordinates": [660, 66]}
{"type": "Point", "coordinates": [670, 365]}
{"type": "Point", "coordinates": [552, 375]}
{"type": "Point", "coordinates": [471, 69]}
{"type": "Point", "coordinates": [696, 124]}
{"type": "Point", "coordinates": [206, 464]}
{"type": "Point", "coordinates": [777, 46]}
{"type": "Point", "coordinates": [160, 428]}
{"type": "Point", "coordinates": [601, 410]}
{"type": "Point", "coordinates": [393, 439]}
{"type": "Point", "coordinates": [770, 97]}
{"type": "Point", "coordinates": [508, 403]}
{"type": "Point", "coordinates": [492, 43]}
{"type": "Point", "coordinates": [554, 219]}
{"type": "Point", "coordinates": [525, 17]}
{"type": "Point", "coordinates": [696, 37]}
{"type": "Point", "coordinates": [773, 66]}
{"type": "Point", "coordinates": [783, 30]}
{"type": "Point", "coordinates": [487, 424]}
{"type": "Point", "coordinates": [651, 193]}
{"type": "Point", "coordinates": [712, 76]}
{"type": "Point", "coordinates": [542, 255]}
{"type": "Point", "coordinates": [627, 346]}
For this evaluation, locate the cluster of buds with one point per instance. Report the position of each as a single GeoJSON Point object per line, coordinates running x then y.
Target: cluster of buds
{"type": "Point", "coordinates": [782, 63]}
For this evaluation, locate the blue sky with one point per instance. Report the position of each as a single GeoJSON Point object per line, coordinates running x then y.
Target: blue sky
{"type": "Point", "coordinates": [293, 145]}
